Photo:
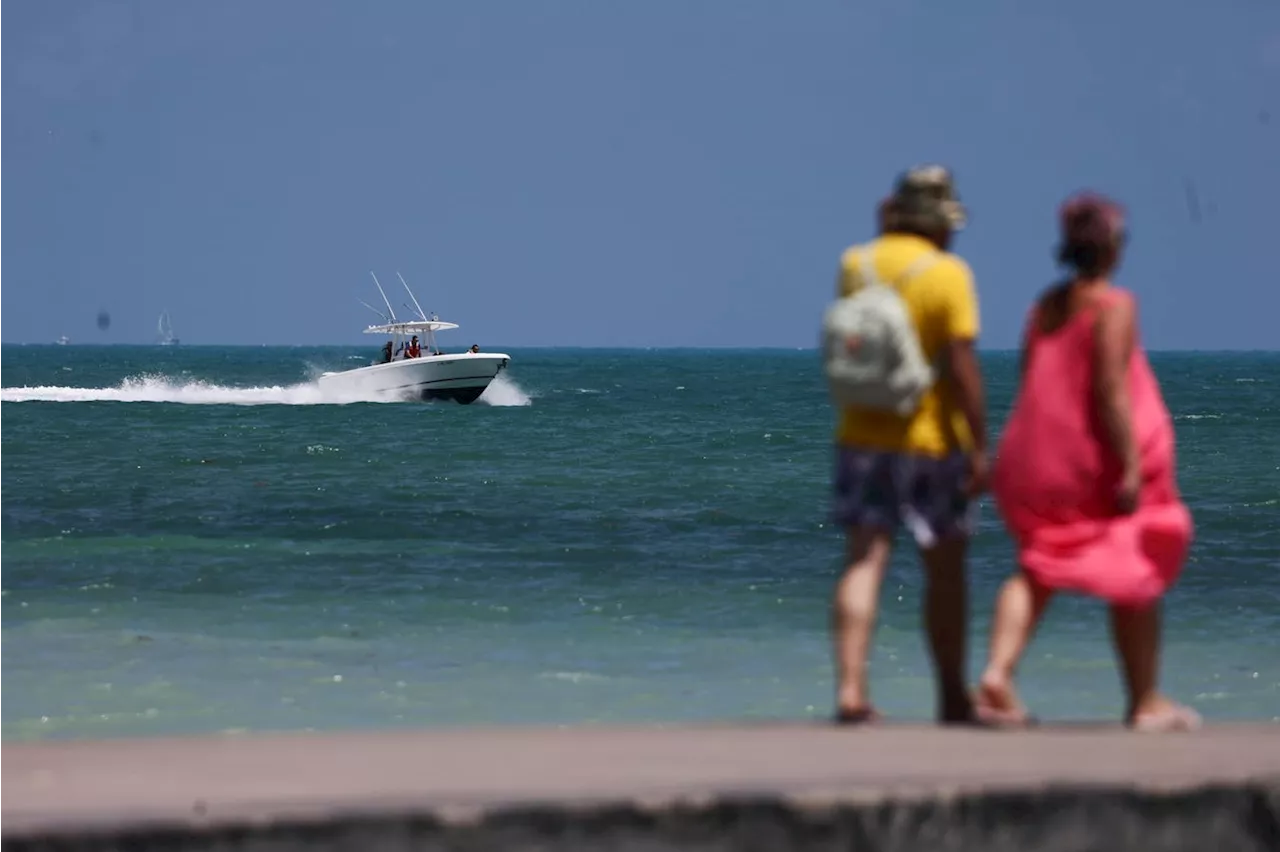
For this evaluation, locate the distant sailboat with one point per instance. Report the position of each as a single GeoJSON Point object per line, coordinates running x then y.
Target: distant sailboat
{"type": "Point", "coordinates": [164, 328]}
{"type": "Point", "coordinates": [63, 340]}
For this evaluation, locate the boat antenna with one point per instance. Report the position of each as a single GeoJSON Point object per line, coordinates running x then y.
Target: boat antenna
{"type": "Point", "coordinates": [411, 296]}
{"type": "Point", "coordinates": [390, 309]}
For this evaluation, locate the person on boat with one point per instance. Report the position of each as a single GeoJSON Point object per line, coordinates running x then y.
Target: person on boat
{"type": "Point", "coordinates": [475, 349]}
{"type": "Point", "coordinates": [414, 351]}
{"type": "Point", "coordinates": [1085, 477]}
{"type": "Point", "coordinates": [386, 352]}
{"type": "Point", "coordinates": [922, 470]}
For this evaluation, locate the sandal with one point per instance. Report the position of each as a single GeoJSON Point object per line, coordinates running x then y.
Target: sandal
{"type": "Point", "coordinates": [1177, 718]}
{"type": "Point", "coordinates": [857, 716]}
{"type": "Point", "coordinates": [990, 717]}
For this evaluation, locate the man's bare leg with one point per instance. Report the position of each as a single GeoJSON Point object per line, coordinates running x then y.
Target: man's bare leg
{"type": "Point", "coordinates": [946, 618]}
{"type": "Point", "coordinates": [853, 618]}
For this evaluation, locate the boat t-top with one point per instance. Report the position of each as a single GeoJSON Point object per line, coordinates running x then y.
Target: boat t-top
{"type": "Point", "coordinates": [412, 365]}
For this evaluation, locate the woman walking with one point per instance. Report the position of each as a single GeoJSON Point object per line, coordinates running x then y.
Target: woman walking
{"type": "Point", "coordinates": [1085, 476]}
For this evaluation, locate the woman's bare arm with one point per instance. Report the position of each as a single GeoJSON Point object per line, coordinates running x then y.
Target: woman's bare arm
{"type": "Point", "coordinates": [1113, 340]}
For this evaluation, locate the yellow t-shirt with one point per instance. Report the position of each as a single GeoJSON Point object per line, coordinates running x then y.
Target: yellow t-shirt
{"type": "Point", "coordinates": [943, 307]}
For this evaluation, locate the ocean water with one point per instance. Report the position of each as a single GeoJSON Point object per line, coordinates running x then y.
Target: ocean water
{"type": "Point", "coordinates": [195, 539]}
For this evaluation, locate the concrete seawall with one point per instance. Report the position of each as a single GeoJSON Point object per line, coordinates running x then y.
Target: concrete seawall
{"type": "Point", "coordinates": [785, 786]}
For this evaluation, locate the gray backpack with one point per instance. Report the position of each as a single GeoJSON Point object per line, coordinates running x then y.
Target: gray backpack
{"type": "Point", "coordinates": [870, 349]}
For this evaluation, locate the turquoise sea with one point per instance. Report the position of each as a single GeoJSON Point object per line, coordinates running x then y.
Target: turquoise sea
{"type": "Point", "coordinates": [195, 540]}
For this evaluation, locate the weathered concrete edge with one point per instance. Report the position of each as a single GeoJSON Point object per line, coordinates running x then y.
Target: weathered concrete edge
{"type": "Point", "coordinates": [476, 812]}
{"type": "Point", "coordinates": [443, 782]}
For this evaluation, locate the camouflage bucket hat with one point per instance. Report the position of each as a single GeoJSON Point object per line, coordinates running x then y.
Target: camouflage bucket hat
{"type": "Point", "coordinates": [928, 193]}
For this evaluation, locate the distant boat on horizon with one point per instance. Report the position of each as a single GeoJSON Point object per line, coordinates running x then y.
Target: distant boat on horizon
{"type": "Point", "coordinates": [164, 328]}
{"type": "Point", "coordinates": [63, 340]}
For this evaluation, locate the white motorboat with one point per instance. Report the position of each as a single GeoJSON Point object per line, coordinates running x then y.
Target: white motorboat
{"type": "Point", "coordinates": [432, 374]}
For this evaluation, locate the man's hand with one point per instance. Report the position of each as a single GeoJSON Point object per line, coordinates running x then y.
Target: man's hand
{"type": "Point", "coordinates": [966, 377]}
{"type": "Point", "coordinates": [979, 473]}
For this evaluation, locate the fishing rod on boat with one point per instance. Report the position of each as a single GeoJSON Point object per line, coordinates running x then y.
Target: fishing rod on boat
{"type": "Point", "coordinates": [378, 283]}
{"type": "Point", "coordinates": [411, 296]}
{"type": "Point", "coordinates": [375, 310]}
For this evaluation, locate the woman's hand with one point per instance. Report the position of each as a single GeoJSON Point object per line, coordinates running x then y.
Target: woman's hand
{"type": "Point", "coordinates": [1127, 492]}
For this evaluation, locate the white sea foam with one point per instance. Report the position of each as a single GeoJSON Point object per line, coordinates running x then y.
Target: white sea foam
{"type": "Point", "coordinates": [502, 391]}
{"type": "Point", "coordinates": [184, 391]}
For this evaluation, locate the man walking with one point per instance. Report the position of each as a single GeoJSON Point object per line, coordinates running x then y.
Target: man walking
{"type": "Point", "coordinates": [918, 465]}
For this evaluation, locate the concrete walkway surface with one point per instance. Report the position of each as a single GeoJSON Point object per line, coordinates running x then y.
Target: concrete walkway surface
{"type": "Point", "coordinates": [60, 787]}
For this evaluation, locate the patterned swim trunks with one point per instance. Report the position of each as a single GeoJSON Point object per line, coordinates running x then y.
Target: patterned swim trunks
{"type": "Point", "coordinates": [885, 490]}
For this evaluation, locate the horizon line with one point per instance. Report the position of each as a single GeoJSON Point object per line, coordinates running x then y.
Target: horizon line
{"type": "Point", "coordinates": [595, 348]}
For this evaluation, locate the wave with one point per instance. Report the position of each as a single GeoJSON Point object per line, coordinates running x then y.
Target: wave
{"type": "Point", "coordinates": [501, 392]}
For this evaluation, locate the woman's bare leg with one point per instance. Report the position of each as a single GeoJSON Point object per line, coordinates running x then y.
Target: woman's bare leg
{"type": "Point", "coordinates": [1019, 607]}
{"type": "Point", "coordinates": [1136, 631]}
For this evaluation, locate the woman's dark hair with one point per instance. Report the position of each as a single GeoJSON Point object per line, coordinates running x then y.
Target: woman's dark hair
{"type": "Point", "coordinates": [1089, 260]}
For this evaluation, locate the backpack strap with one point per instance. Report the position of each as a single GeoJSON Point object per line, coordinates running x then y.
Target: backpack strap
{"type": "Point", "coordinates": [867, 267]}
{"type": "Point", "coordinates": [922, 265]}
{"type": "Point", "coordinates": [866, 264]}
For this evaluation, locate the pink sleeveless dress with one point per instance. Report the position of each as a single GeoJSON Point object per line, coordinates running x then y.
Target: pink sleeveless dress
{"type": "Point", "coordinates": [1055, 479]}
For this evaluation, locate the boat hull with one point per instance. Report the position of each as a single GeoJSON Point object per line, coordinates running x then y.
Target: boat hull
{"type": "Point", "coordinates": [461, 378]}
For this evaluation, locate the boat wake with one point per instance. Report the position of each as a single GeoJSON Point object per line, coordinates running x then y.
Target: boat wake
{"type": "Point", "coordinates": [501, 392]}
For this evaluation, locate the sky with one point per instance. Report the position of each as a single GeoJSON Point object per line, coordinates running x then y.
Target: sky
{"type": "Point", "coordinates": [586, 173]}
